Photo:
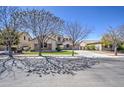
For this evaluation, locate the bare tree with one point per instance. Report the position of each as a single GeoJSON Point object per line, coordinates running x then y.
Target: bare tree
{"type": "Point", "coordinates": [114, 37]}
{"type": "Point", "coordinates": [121, 32]}
{"type": "Point", "coordinates": [9, 20]}
{"type": "Point", "coordinates": [42, 24]}
{"type": "Point", "coordinates": [76, 32]}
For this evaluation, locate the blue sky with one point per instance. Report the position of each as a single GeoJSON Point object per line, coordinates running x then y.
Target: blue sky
{"type": "Point", "coordinates": [96, 17]}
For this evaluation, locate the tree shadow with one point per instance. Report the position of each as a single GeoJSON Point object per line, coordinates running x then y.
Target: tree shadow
{"type": "Point", "coordinates": [45, 65]}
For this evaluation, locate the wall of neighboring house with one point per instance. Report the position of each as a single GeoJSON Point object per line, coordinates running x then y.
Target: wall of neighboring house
{"type": "Point", "coordinates": [82, 45]}
{"type": "Point", "coordinates": [98, 45]}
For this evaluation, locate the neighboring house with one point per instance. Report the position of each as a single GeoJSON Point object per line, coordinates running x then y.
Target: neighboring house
{"type": "Point", "coordinates": [97, 44]}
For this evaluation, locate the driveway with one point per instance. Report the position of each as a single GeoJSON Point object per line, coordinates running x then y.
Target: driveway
{"type": "Point", "coordinates": [99, 54]}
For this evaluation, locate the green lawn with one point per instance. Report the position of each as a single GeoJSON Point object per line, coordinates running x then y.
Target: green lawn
{"type": "Point", "coordinates": [65, 52]}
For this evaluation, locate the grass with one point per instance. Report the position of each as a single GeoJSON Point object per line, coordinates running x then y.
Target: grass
{"type": "Point", "coordinates": [65, 52]}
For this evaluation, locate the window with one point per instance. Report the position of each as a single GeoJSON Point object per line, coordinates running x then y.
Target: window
{"type": "Point", "coordinates": [24, 38]}
{"type": "Point", "coordinates": [67, 46]}
{"type": "Point", "coordinates": [45, 45]}
{"type": "Point", "coordinates": [28, 39]}
{"type": "Point", "coordinates": [70, 39]}
{"type": "Point", "coordinates": [59, 38]}
{"type": "Point", "coordinates": [63, 40]}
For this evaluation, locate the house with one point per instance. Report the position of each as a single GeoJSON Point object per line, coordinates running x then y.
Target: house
{"type": "Point", "coordinates": [67, 43]}
{"type": "Point", "coordinates": [24, 40]}
{"type": "Point", "coordinates": [51, 44]}
{"type": "Point", "coordinates": [97, 44]}
{"type": "Point", "coordinates": [28, 43]}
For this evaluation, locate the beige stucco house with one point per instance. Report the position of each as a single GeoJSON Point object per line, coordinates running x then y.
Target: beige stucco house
{"type": "Point", "coordinates": [67, 44]}
{"type": "Point", "coordinates": [51, 44]}
{"type": "Point", "coordinates": [97, 44]}
{"type": "Point", "coordinates": [27, 41]}
{"type": "Point", "coordinates": [24, 40]}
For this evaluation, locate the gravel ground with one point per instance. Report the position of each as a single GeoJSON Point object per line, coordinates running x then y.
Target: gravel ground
{"type": "Point", "coordinates": [109, 72]}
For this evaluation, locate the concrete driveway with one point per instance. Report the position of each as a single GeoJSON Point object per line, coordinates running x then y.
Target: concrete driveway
{"type": "Point", "coordinates": [108, 73]}
{"type": "Point", "coordinates": [99, 54]}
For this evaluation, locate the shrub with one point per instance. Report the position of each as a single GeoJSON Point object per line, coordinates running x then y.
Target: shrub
{"type": "Point", "coordinates": [19, 50]}
{"type": "Point", "coordinates": [32, 50]}
{"type": "Point", "coordinates": [121, 48]}
{"type": "Point", "coordinates": [14, 49]}
{"type": "Point", "coordinates": [58, 49]}
{"type": "Point", "coordinates": [90, 47]}
{"type": "Point", "coordinates": [26, 48]}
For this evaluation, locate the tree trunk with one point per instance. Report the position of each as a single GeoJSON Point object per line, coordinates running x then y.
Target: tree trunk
{"type": "Point", "coordinates": [10, 51]}
{"type": "Point", "coordinates": [115, 51]}
{"type": "Point", "coordinates": [72, 52]}
{"type": "Point", "coordinates": [43, 45]}
{"type": "Point", "coordinates": [73, 49]}
{"type": "Point", "coordinates": [39, 43]}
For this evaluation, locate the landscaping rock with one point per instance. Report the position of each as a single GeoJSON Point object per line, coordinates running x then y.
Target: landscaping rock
{"type": "Point", "coordinates": [46, 65]}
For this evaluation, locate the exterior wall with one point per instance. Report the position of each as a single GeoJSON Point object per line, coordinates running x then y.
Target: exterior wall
{"type": "Point", "coordinates": [98, 47]}
{"type": "Point", "coordinates": [51, 45]}
{"type": "Point", "coordinates": [77, 47]}
{"type": "Point", "coordinates": [54, 45]}
{"type": "Point", "coordinates": [24, 40]}
{"type": "Point", "coordinates": [67, 45]}
{"type": "Point", "coordinates": [34, 44]}
{"type": "Point", "coordinates": [82, 45]}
